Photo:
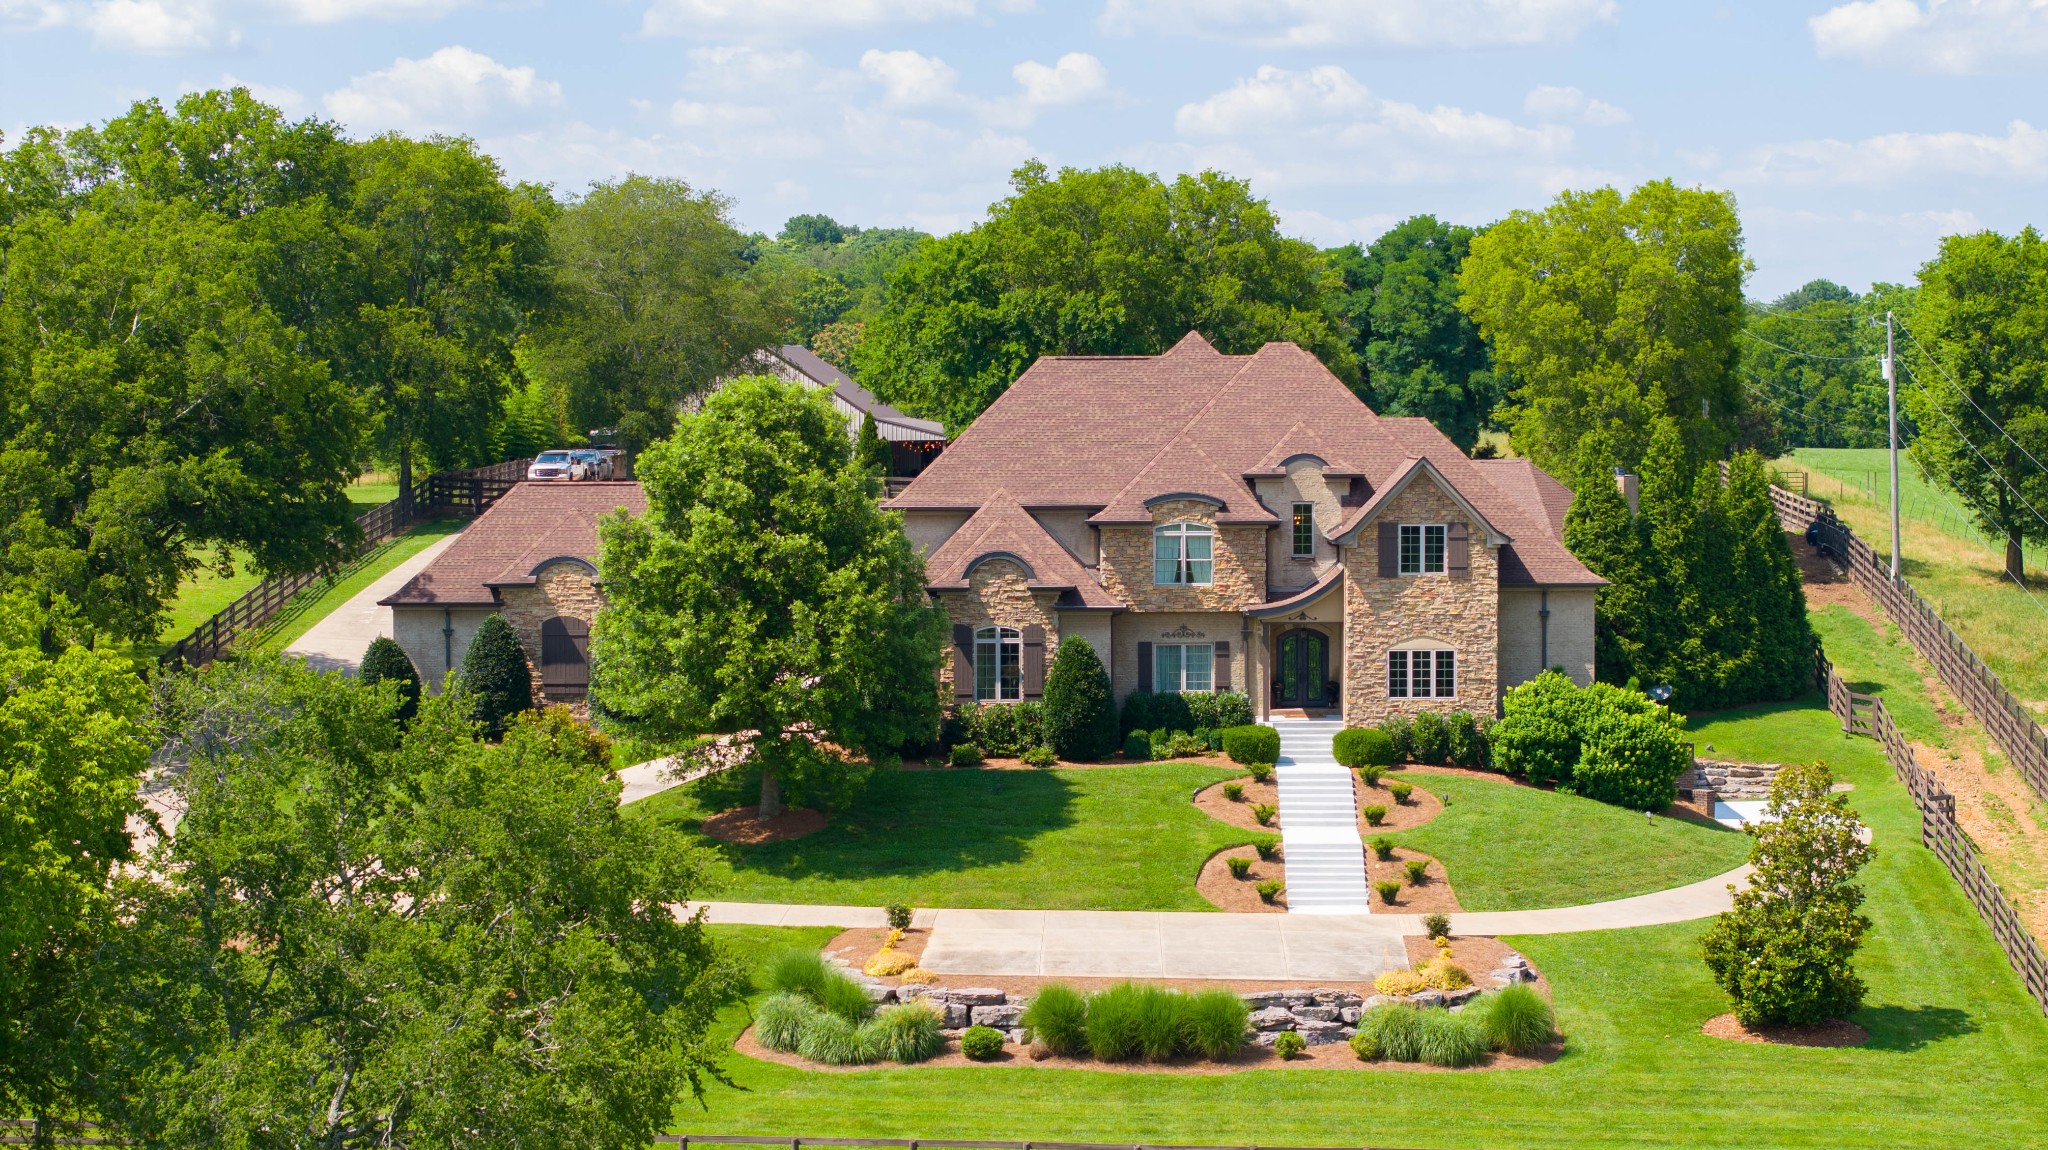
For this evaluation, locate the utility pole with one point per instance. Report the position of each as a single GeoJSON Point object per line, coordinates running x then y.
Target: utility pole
{"type": "Point", "coordinates": [1891, 382]}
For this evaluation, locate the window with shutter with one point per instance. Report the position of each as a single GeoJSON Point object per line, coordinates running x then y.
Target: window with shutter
{"type": "Point", "coordinates": [1390, 550]}
{"type": "Point", "coordinates": [1034, 662]}
{"type": "Point", "coordinates": [1144, 666]}
{"type": "Point", "coordinates": [1222, 664]}
{"type": "Point", "coordinates": [963, 663]}
{"type": "Point", "coordinates": [1458, 551]}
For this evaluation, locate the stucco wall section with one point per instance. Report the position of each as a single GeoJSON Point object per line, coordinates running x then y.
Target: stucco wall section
{"type": "Point", "coordinates": [566, 589]}
{"type": "Point", "coordinates": [418, 630]}
{"type": "Point", "coordinates": [1174, 627]}
{"type": "Point", "coordinates": [998, 595]}
{"type": "Point", "coordinates": [929, 530]}
{"type": "Point", "coordinates": [1239, 574]}
{"type": "Point", "coordinates": [1380, 614]}
{"type": "Point", "coordinates": [1098, 627]}
{"type": "Point", "coordinates": [1072, 530]}
{"type": "Point", "coordinates": [1304, 484]}
{"type": "Point", "coordinates": [1521, 633]}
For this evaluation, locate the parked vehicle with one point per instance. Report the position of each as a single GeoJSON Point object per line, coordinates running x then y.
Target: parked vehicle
{"type": "Point", "coordinates": [556, 464]}
{"type": "Point", "coordinates": [591, 464]}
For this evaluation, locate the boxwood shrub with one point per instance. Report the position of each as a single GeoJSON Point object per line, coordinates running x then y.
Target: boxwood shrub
{"type": "Point", "coordinates": [1363, 747]}
{"type": "Point", "coordinates": [1138, 747]}
{"type": "Point", "coordinates": [981, 1043]}
{"type": "Point", "coordinates": [1252, 744]}
{"type": "Point", "coordinates": [1431, 738]}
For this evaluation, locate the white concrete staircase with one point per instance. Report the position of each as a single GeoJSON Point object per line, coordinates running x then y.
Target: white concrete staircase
{"type": "Point", "coordinates": [1318, 822]}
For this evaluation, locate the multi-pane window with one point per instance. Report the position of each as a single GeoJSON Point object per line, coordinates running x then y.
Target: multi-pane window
{"type": "Point", "coordinates": [1304, 530]}
{"type": "Point", "coordinates": [998, 665]}
{"type": "Point", "coordinates": [1422, 548]}
{"type": "Point", "coordinates": [1422, 674]}
{"type": "Point", "coordinates": [1183, 553]}
{"type": "Point", "coordinates": [1183, 667]}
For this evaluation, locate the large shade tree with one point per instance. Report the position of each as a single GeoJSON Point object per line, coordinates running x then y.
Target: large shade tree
{"type": "Point", "coordinates": [1109, 261]}
{"type": "Point", "coordinates": [766, 592]}
{"type": "Point", "coordinates": [1605, 311]}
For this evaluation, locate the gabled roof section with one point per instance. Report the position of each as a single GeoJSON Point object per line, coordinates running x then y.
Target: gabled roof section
{"type": "Point", "coordinates": [531, 526]}
{"type": "Point", "coordinates": [1301, 598]}
{"type": "Point", "coordinates": [1183, 470]}
{"type": "Point", "coordinates": [1300, 440]}
{"type": "Point", "coordinates": [813, 367]}
{"type": "Point", "coordinates": [1003, 529]}
{"type": "Point", "coordinates": [1347, 532]}
{"type": "Point", "coordinates": [1531, 487]}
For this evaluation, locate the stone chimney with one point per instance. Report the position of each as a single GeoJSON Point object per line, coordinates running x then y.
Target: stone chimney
{"type": "Point", "coordinates": [1630, 487]}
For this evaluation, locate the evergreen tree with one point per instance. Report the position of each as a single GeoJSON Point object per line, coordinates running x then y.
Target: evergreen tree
{"type": "Point", "coordinates": [385, 661]}
{"type": "Point", "coordinates": [1761, 564]}
{"type": "Point", "coordinates": [496, 675]}
{"type": "Point", "coordinates": [872, 452]}
{"type": "Point", "coordinates": [1080, 712]}
{"type": "Point", "coordinates": [1609, 540]}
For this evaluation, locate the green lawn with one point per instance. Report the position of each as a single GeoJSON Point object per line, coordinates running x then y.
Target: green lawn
{"type": "Point", "coordinates": [1518, 848]}
{"type": "Point", "coordinates": [1113, 838]}
{"type": "Point", "coordinates": [321, 599]}
{"type": "Point", "coordinates": [1958, 1053]}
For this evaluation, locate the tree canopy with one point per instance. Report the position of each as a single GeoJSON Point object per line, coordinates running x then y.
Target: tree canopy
{"type": "Point", "coordinates": [1605, 311]}
{"type": "Point", "coordinates": [1109, 261]}
{"type": "Point", "coordinates": [1810, 366]}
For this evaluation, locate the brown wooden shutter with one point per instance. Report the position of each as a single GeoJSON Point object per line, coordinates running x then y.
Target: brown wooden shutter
{"type": "Point", "coordinates": [1034, 662]}
{"type": "Point", "coordinates": [1390, 550]}
{"type": "Point", "coordinates": [1458, 551]}
{"type": "Point", "coordinates": [1222, 668]}
{"type": "Point", "coordinates": [564, 657]}
{"type": "Point", "coordinates": [1144, 666]}
{"type": "Point", "coordinates": [963, 663]}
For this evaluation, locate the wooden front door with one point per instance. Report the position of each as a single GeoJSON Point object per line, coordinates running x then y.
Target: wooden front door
{"type": "Point", "coordinates": [1301, 669]}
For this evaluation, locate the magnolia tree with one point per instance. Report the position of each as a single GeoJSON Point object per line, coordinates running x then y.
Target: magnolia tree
{"type": "Point", "coordinates": [1783, 953]}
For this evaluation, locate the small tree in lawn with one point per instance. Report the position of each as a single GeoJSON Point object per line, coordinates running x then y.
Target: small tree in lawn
{"type": "Point", "coordinates": [1080, 712]}
{"type": "Point", "coordinates": [385, 661]}
{"type": "Point", "coordinates": [766, 591]}
{"type": "Point", "coordinates": [496, 675]}
{"type": "Point", "coordinates": [873, 451]}
{"type": "Point", "coordinates": [1783, 953]}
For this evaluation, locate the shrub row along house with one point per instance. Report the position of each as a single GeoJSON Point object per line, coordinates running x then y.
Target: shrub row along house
{"type": "Point", "coordinates": [1243, 522]}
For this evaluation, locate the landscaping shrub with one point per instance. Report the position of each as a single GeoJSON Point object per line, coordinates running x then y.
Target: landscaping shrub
{"type": "Point", "coordinates": [1162, 1022]}
{"type": "Point", "coordinates": [1375, 814]}
{"type": "Point", "coordinates": [1040, 756]}
{"type": "Point", "coordinates": [1514, 1018]}
{"type": "Point", "coordinates": [1537, 736]}
{"type": "Point", "coordinates": [1216, 1021]}
{"type": "Point", "coordinates": [908, 1033]}
{"type": "Point", "coordinates": [889, 961]}
{"type": "Point", "coordinates": [496, 675]}
{"type": "Point", "coordinates": [845, 997]}
{"type": "Point", "coordinates": [1466, 739]}
{"type": "Point", "coordinates": [1234, 792]}
{"type": "Point", "coordinates": [1450, 1040]}
{"type": "Point", "coordinates": [1269, 889]}
{"type": "Point", "coordinates": [1383, 848]}
{"type": "Point", "coordinates": [1398, 982]}
{"type": "Point", "coordinates": [779, 1021]}
{"type": "Point", "coordinates": [1180, 745]}
{"type": "Point", "coordinates": [1216, 710]}
{"type": "Point", "coordinates": [1632, 760]}
{"type": "Point", "coordinates": [1363, 747]}
{"type": "Point", "coordinates": [1388, 890]}
{"type": "Point", "coordinates": [385, 662]}
{"type": "Point", "coordinates": [1260, 772]}
{"type": "Point", "coordinates": [831, 1039]}
{"type": "Point", "coordinates": [1438, 925]}
{"type": "Point", "coordinates": [1138, 747]}
{"type": "Point", "coordinates": [1252, 744]}
{"type": "Point", "coordinates": [796, 970]}
{"type": "Point", "coordinates": [1058, 1016]}
{"type": "Point", "coordinates": [1289, 1045]}
{"type": "Point", "coordinates": [1396, 1029]}
{"type": "Point", "coordinates": [1264, 813]}
{"type": "Point", "coordinates": [1239, 867]}
{"type": "Point", "coordinates": [1431, 738]}
{"type": "Point", "coordinates": [1371, 775]}
{"type": "Point", "coordinates": [1400, 791]}
{"type": "Point", "coordinates": [981, 1043]}
{"type": "Point", "coordinates": [1267, 846]}
{"type": "Point", "coordinates": [965, 755]}
{"type": "Point", "coordinates": [1418, 869]}
{"type": "Point", "coordinates": [1006, 729]}
{"type": "Point", "coordinates": [1365, 1046]}
{"type": "Point", "coordinates": [899, 916]}
{"type": "Point", "coordinates": [1116, 1024]}
{"type": "Point", "coordinates": [1443, 974]}
{"type": "Point", "coordinates": [1080, 722]}
{"type": "Point", "coordinates": [1158, 710]}
{"type": "Point", "coordinates": [1400, 731]}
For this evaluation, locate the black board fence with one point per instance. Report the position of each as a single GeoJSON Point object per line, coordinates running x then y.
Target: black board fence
{"type": "Point", "coordinates": [464, 494]}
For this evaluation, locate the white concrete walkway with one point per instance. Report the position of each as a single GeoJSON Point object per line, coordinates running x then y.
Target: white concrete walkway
{"type": "Point", "coordinates": [1319, 822]}
{"type": "Point", "coordinates": [338, 641]}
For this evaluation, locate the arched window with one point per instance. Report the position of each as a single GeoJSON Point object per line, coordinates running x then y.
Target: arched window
{"type": "Point", "coordinates": [1422, 670]}
{"type": "Point", "coordinates": [1183, 554]}
{"type": "Point", "coordinates": [998, 665]}
{"type": "Point", "coordinates": [564, 657]}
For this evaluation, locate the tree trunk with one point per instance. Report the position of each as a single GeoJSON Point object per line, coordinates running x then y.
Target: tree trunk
{"type": "Point", "coordinates": [2015, 558]}
{"type": "Point", "coordinates": [771, 794]}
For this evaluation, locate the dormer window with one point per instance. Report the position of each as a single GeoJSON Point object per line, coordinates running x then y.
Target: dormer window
{"type": "Point", "coordinates": [1183, 554]}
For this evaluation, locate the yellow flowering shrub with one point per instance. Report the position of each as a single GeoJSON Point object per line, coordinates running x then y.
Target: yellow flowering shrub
{"type": "Point", "coordinates": [1443, 974]}
{"type": "Point", "coordinates": [1398, 982]}
{"type": "Point", "coordinates": [889, 962]}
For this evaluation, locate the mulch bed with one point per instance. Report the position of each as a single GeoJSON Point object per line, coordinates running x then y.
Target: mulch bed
{"type": "Point", "coordinates": [744, 826]}
{"type": "Point", "coordinates": [1432, 896]}
{"type": "Point", "coordinates": [1241, 895]}
{"type": "Point", "coordinates": [861, 943]}
{"type": "Point", "coordinates": [1833, 1033]}
{"type": "Point", "coordinates": [1217, 759]}
{"type": "Point", "coordinates": [1421, 806]}
{"type": "Point", "coordinates": [1479, 954]}
{"type": "Point", "coordinates": [1213, 802]}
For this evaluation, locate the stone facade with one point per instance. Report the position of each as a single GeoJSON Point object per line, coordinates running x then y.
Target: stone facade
{"type": "Point", "coordinates": [1238, 578]}
{"type": "Point", "coordinates": [1381, 614]}
{"type": "Point", "coordinates": [567, 589]}
{"type": "Point", "coordinates": [1000, 596]}
{"type": "Point", "coordinates": [1304, 484]}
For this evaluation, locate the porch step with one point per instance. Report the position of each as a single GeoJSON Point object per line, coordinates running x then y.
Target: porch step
{"type": "Point", "coordinates": [1318, 822]}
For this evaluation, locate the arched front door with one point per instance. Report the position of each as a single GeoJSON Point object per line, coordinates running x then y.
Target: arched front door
{"type": "Point", "coordinates": [564, 657]}
{"type": "Point", "coordinates": [1301, 669]}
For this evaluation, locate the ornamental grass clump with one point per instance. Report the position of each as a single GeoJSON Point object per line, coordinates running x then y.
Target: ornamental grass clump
{"type": "Point", "coordinates": [779, 1022]}
{"type": "Point", "coordinates": [833, 1040]}
{"type": "Point", "coordinates": [797, 971]}
{"type": "Point", "coordinates": [907, 1033]}
{"type": "Point", "coordinates": [1450, 1040]}
{"type": "Point", "coordinates": [1058, 1017]}
{"type": "Point", "coordinates": [1396, 1029]}
{"type": "Point", "coordinates": [1162, 1022]}
{"type": "Point", "coordinates": [1514, 1019]}
{"type": "Point", "coordinates": [1116, 1025]}
{"type": "Point", "coordinates": [1216, 1022]}
{"type": "Point", "coordinates": [845, 997]}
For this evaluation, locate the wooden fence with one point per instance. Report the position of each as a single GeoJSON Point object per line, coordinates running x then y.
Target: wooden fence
{"type": "Point", "coordinates": [460, 493]}
{"type": "Point", "coordinates": [16, 1134]}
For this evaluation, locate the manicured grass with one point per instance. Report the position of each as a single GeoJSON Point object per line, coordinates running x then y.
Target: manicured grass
{"type": "Point", "coordinates": [1113, 838]}
{"type": "Point", "coordinates": [321, 599]}
{"type": "Point", "coordinates": [1507, 847]}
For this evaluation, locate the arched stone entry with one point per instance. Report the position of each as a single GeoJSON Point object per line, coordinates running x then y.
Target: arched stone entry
{"type": "Point", "coordinates": [564, 657]}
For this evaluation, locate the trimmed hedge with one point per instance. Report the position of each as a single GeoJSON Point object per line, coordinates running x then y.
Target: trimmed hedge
{"type": "Point", "coordinates": [1604, 742]}
{"type": "Point", "coordinates": [386, 662]}
{"type": "Point", "coordinates": [496, 675]}
{"type": "Point", "coordinates": [1173, 711]}
{"type": "Point", "coordinates": [1138, 747]}
{"type": "Point", "coordinates": [1252, 744]}
{"type": "Point", "coordinates": [1363, 747]}
{"type": "Point", "coordinates": [1080, 720]}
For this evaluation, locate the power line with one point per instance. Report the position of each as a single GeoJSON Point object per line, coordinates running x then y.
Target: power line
{"type": "Point", "coordinates": [1965, 517]}
{"type": "Point", "coordinates": [1993, 471]}
{"type": "Point", "coordinates": [1964, 392]}
{"type": "Point", "coordinates": [1746, 333]}
{"type": "Point", "coordinates": [1774, 312]}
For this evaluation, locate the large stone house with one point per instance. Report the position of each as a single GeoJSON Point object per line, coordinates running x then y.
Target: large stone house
{"type": "Point", "coordinates": [1242, 522]}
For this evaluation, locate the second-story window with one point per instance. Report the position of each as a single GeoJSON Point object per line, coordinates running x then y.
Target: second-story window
{"type": "Point", "coordinates": [1304, 530]}
{"type": "Point", "coordinates": [1422, 548]}
{"type": "Point", "coordinates": [1183, 554]}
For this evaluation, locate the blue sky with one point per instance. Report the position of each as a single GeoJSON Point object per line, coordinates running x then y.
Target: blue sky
{"type": "Point", "coordinates": [1853, 134]}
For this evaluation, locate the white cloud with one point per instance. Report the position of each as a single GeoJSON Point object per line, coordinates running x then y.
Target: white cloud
{"type": "Point", "coordinates": [1276, 98]}
{"type": "Point", "coordinates": [1956, 36]}
{"type": "Point", "coordinates": [1400, 23]}
{"type": "Point", "coordinates": [1073, 78]}
{"type": "Point", "coordinates": [452, 89]}
{"type": "Point", "coordinates": [169, 27]}
{"type": "Point", "coordinates": [697, 17]}
{"type": "Point", "coordinates": [151, 27]}
{"type": "Point", "coordinates": [1901, 157]}
{"type": "Point", "coordinates": [1852, 246]}
{"type": "Point", "coordinates": [1551, 102]}
{"type": "Point", "coordinates": [908, 78]}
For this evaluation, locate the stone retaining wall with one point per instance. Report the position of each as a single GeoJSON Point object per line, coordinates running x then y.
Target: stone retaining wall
{"type": "Point", "coordinates": [1733, 780]}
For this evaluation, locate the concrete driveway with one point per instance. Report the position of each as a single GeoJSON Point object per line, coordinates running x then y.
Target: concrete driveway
{"type": "Point", "coordinates": [337, 642]}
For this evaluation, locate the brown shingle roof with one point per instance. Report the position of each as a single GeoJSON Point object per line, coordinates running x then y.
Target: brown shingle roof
{"type": "Point", "coordinates": [531, 524]}
{"type": "Point", "coordinates": [1003, 527]}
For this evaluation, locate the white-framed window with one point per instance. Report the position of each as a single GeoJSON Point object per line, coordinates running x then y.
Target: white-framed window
{"type": "Point", "coordinates": [1183, 554]}
{"type": "Point", "coordinates": [1183, 667]}
{"type": "Point", "coordinates": [998, 665]}
{"type": "Point", "coordinates": [1422, 548]}
{"type": "Point", "coordinates": [1422, 673]}
{"type": "Point", "coordinates": [1304, 530]}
